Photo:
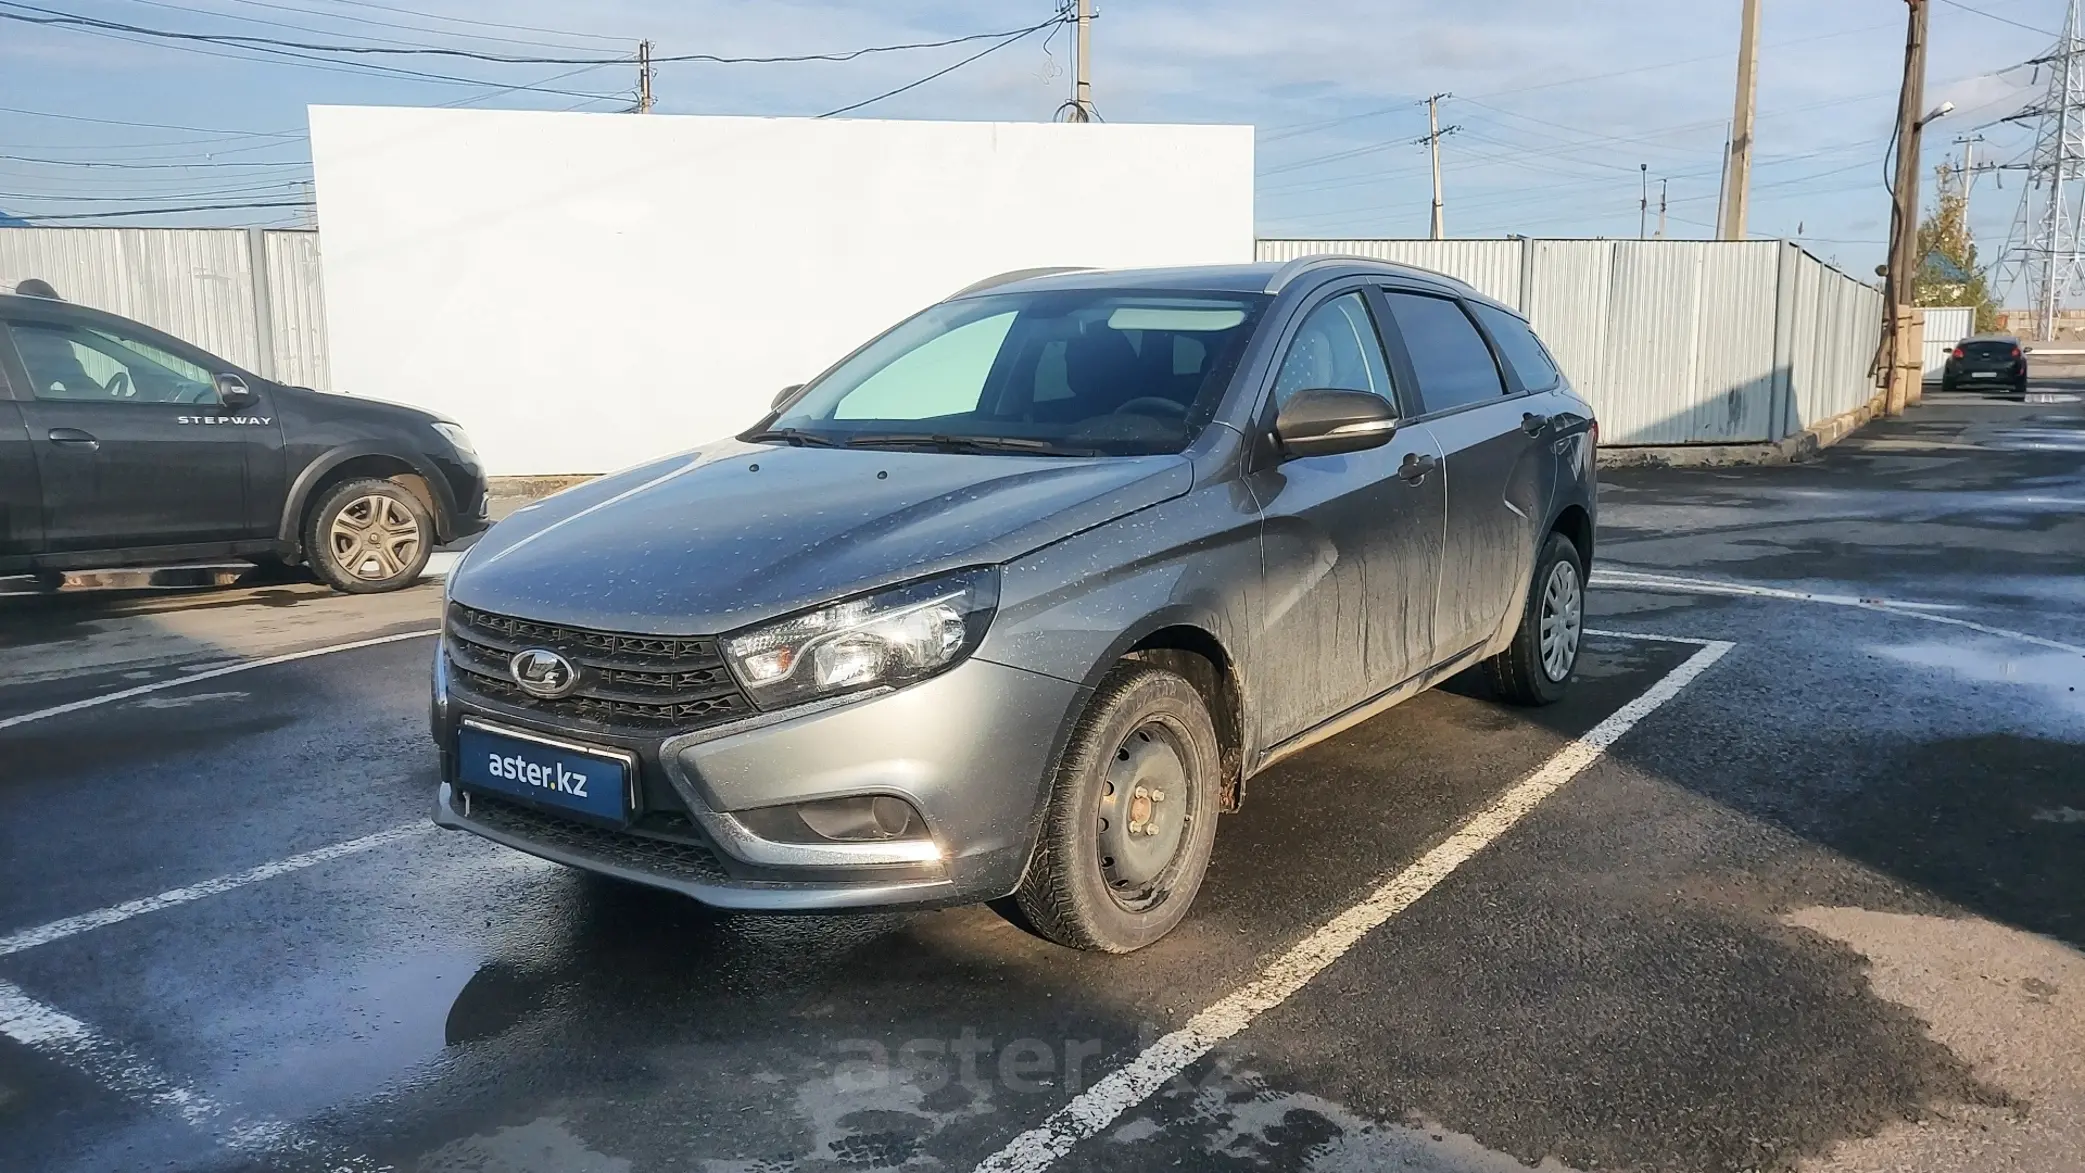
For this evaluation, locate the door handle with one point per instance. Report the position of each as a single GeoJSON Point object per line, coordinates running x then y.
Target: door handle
{"type": "Point", "coordinates": [73, 436]}
{"type": "Point", "coordinates": [1535, 425]}
{"type": "Point", "coordinates": [1415, 467]}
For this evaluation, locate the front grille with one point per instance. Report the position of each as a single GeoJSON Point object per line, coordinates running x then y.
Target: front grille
{"type": "Point", "coordinates": [652, 683]}
{"type": "Point", "coordinates": [668, 858]}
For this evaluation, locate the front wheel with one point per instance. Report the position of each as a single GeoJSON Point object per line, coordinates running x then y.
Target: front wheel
{"type": "Point", "coordinates": [1536, 667]}
{"type": "Point", "coordinates": [369, 535]}
{"type": "Point", "coordinates": [1132, 819]}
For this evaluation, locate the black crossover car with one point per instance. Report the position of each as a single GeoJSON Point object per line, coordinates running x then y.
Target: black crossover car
{"type": "Point", "coordinates": [122, 448]}
{"type": "Point", "coordinates": [1987, 362]}
{"type": "Point", "coordinates": [1015, 599]}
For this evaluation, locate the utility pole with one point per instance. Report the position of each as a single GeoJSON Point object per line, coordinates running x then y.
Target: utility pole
{"type": "Point", "coordinates": [644, 77]}
{"type": "Point", "coordinates": [1737, 173]}
{"type": "Point", "coordinates": [1433, 143]}
{"type": "Point", "coordinates": [1643, 205]}
{"type": "Point", "coordinates": [1899, 277]}
{"type": "Point", "coordinates": [1968, 144]}
{"type": "Point", "coordinates": [1082, 87]}
{"type": "Point", "coordinates": [1664, 187]}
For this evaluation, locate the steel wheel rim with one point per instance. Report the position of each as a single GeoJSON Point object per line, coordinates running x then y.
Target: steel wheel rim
{"type": "Point", "coordinates": [1563, 620]}
{"type": "Point", "coordinates": [1146, 815]}
{"type": "Point", "coordinates": [374, 538]}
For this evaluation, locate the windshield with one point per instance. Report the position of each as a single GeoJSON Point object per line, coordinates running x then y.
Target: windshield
{"type": "Point", "coordinates": [1080, 372]}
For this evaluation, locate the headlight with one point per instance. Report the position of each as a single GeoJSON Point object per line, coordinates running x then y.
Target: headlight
{"type": "Point", "coordinates": [882, 640]}
{"type": "Point", "coordinates": [455, 435]}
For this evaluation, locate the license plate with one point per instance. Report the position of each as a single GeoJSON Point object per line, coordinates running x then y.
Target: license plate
{"type": "Point", "coordinates": [551, 773]}
{"type": "Point", "coordinates": [1983, 374]}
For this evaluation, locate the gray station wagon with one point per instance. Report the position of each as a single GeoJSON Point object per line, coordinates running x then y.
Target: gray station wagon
{"type": "Point", "coordinates": [1015, 599]}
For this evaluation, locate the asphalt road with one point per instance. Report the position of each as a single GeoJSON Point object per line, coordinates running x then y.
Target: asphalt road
{"type": "Point", "coordinates": [1819, 904]}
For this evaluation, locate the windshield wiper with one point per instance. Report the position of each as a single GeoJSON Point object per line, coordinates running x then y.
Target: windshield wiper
{"type": "Point", "coordinates": [795, 436]}
{"type": "Point", "coordinates": [947, 443]}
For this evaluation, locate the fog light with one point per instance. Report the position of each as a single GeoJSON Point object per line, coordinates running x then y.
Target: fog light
{"type": "Point", "coordinates": [863, 819]}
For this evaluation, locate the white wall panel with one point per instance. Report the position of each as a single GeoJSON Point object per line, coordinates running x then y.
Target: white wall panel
{"type": "Point", "coordinates": [587, 290]}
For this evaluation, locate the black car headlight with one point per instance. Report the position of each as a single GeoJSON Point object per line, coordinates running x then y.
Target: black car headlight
{"type": "Point", "coordinates": [891, 638]}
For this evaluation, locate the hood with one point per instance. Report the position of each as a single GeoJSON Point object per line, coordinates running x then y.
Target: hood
{"type": "Point", "coordinates": [708, 542]}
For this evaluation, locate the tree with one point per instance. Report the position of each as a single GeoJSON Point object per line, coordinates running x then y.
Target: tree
{"type": "Point", "coordinates": [1948, 273]}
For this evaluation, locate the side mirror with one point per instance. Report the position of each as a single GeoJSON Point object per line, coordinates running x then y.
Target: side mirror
{"type": "Point", "coordinates": [782, 396]}
{"type": "Point", "coordinates": [232, 392]}
{"type": "Point", "coordinates": [1326, 422]}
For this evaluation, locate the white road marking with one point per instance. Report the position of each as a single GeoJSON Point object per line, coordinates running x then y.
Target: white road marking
{"type": "Point", "coordinates": [1641, 580]}
{"type": "Point", "coordinates": [1100, 1105]}
{"type": "Point", "coordinates": [1647, 636]}
{"type": "Point", "coordinates": [73, 926]}
{"type": "Point", "coordinates": [109, 698]}
{"type": "Point", "coordinates": [440, 563]}
{"type": "Point", "coordinates": [66, 1039]}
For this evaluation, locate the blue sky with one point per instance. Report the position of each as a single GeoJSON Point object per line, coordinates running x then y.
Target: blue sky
{"type": "Point", "coordinates": [1558, 103]}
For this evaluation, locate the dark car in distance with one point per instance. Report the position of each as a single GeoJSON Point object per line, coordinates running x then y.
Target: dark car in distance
{"type": "Point", "coordinates": [1986, 362]}
{"type": "Point", "coordinates": [125, 448]}
{"type": "Point", "coordinates": [1016, 599]}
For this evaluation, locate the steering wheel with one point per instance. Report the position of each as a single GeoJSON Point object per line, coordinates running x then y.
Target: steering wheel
{"type": "Point", "coordinates": [1155, 406]}
{"type": "Point", "coordinates": [119, 386]}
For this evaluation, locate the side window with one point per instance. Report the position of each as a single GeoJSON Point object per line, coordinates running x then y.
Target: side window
{"type": "Point", "coordinates": [1336, 348]}
{"type": "Point", "coordinates": [1517, 345]}
{"type": "Point", "coordinates": [79, 364]}
{"type": "Point", "coordinates": [1454, 366]}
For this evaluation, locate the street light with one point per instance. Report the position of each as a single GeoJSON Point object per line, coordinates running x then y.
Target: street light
{"type": "Point", "coordinates": [1937, 113]}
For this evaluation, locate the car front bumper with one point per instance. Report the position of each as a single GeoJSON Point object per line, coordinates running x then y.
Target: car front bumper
{"type": "Point", "coordinates": [971, 750]}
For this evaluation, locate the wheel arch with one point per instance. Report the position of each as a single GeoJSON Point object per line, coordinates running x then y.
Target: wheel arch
{"type": "Point", "coordinates": [1184, 641]}
{"type": "Point", "coordinates": [352, 461]}
{"type": "Point", "coordinates": [1575, 523]}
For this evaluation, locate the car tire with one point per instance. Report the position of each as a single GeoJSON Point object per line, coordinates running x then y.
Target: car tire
{"type": "Point", "coordinates": [367, 536]}
{"type": "Point", "coordinates": [1101, 880]}
{"type": "Point", "coordinates": [1536, 668]}
{"type": "Point", "coordinates": [1947, 386]}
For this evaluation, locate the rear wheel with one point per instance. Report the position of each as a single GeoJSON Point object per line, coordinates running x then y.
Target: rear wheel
{"type": "Point", "coordinates": [1132, 820]}
{"type": "Point", "coordinates": [369, 535]}
{"type": "Point", "coordinates": [1536, 667]}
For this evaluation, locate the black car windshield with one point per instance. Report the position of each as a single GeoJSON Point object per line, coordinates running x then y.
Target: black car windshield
{"type": "Point", "coordinates": [1063, 373]}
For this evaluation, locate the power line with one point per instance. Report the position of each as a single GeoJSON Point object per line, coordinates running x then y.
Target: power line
{"type": "Point", "coordinates": [53, 16]}
{"type": "Point", "coordinates": [392, 24]}
{"type": "Point", "coordinates": [911, 85]}
{"type": "Point", "coordinates": [152, 125]}
{"type": "Point", "coordinates": [1994, 16]}
{"type": "Point", "coordinates": [370, 4]}
{"type": "Point", "coordinates": [126, 165]}
{"type": "Point", "coordinates": [168, 211]}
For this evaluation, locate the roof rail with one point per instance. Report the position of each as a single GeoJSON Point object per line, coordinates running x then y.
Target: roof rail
{"type": "Point", "coordinates": [1301, 265]}
{"type": "Point", "coordinates": [1013, 275]}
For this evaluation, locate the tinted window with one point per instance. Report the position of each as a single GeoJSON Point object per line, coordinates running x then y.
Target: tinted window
{"type": "Point", "coordinates": [80, 364]}
{"type": "Point", "coordinates": [1336, 348]}
{"type": "Point", "coordinates": [1078, 370]}
{"type": "Point", "coordinates": [1454, 365]}
{"type": "Point", "coordinates": [1989, 350]}
{"type": "Point", "coordinates": [1518, 347]}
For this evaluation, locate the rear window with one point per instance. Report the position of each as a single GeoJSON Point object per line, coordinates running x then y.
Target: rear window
{"type": "Point", "coordinates": [1988, 349]}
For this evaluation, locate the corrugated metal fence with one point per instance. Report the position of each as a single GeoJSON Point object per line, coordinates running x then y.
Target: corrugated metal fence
{"type": "Point", "coordinates": [1945, 326]}
{"type": "Point", "coordinates": [194, 283]}
{"type": "Point", "coordinates": [1674, 341]}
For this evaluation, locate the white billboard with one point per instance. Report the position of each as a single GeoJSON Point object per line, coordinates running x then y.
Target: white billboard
{"type": "Point", "coordinates": [584, 291]}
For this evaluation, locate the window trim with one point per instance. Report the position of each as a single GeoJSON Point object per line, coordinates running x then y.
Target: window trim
{"type": "Point", "coordinates": [1507, 381]}
{"type": "Point", "coordinates": [1265, 410]}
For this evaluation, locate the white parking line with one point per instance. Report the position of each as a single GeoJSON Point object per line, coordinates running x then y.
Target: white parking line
{"type": "Point", "coordinates": [1097, 1107]}
{"type": "Point", "coordinates": [1624, 579]}
{"type": "Point", "coordinates": [60, 1036]}
{"type": "Point", "coordinates": [73, 926]}
{"type": "Point", "coordinates": [109, 698]}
